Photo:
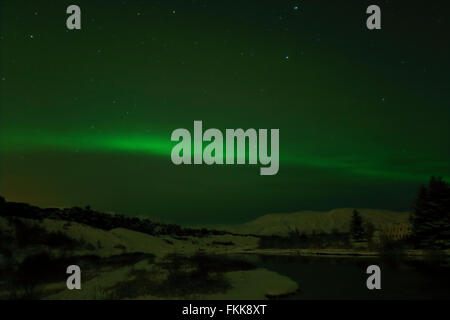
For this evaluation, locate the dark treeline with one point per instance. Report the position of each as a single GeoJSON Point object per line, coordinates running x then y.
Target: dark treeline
{"type": "Point", "coordinates": [100, 220]}
{"type": "Point", "coordinates": [430, 217]}
{"type": "Point", "coordinates": [303, 241]}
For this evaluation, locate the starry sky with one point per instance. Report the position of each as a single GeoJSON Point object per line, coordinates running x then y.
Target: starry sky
{"type": "Point", "coordinates": [86, 115]}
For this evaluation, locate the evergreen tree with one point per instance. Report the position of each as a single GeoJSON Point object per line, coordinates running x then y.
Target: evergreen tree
{"type": "Point", "coordinates": [356, 226]}
{"type": "Point", "coordinates": [430, 217]}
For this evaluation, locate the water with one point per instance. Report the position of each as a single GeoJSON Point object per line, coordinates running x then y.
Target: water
{"type": "Point", "coordinates": [345, 278]}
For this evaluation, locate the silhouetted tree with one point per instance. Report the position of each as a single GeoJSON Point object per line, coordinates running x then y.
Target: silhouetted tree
{"type": "Point", "coordinates": [430, 217]}
{"type": "Point", "coordinates": [356, 226]}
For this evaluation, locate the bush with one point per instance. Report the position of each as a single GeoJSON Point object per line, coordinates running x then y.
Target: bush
{"type": "Point", "coordinates": [30, 235]}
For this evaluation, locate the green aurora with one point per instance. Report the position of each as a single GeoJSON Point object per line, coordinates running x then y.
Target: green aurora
{"type": "Point", "coordinates": [155, 145]}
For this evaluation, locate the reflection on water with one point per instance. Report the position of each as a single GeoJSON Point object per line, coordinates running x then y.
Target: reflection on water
{"type": "Point", "coordinates": [345, 278]}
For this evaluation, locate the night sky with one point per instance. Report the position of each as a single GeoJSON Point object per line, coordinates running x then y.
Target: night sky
{"type": "Point", "coordinates": [86, 116]}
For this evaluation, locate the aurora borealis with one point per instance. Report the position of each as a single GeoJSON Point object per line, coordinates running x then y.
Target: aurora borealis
{"type": "Point", "coordinates": [86, 116]}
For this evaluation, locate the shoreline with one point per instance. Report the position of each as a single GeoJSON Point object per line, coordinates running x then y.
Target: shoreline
{"type": "Point", "coordinates": [335, 253]}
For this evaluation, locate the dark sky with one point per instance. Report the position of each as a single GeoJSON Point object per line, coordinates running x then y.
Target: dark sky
{"type": "Point", "coordinates": [86, 116]}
